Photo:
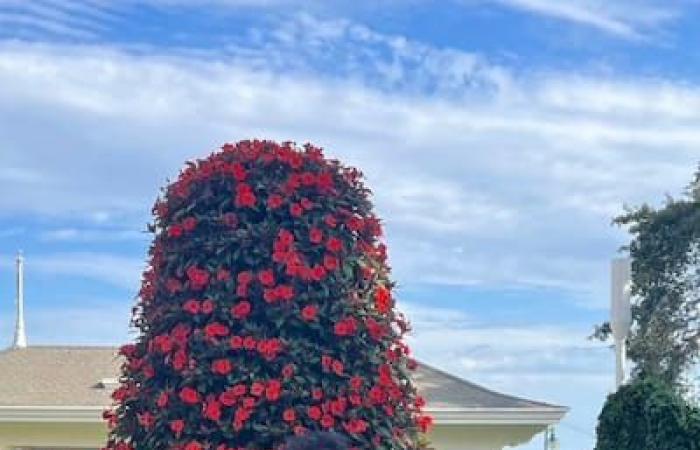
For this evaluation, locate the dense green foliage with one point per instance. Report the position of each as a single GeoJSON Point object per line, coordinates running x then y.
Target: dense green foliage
{"type": "Point", "coordinates": [266, 311]}
{"type": "Point", "coordinates": [648, 415]}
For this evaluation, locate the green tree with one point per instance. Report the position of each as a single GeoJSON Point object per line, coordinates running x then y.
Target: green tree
{"type": "Point", "coordinates": [266, 311]}
{"type": "Point", "coordinates": [665, 252]}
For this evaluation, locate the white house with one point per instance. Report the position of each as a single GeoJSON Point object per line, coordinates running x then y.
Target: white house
{"type": "Point", "coordinates": [52, 397]}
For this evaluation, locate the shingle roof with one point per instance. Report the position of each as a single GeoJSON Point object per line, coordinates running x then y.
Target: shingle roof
{"type": "Point", "coordinates": [56, 376]}
{"type": "Point", "coordinates": [70, 376]}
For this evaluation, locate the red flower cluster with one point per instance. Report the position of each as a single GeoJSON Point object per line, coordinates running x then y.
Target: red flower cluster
{"type": "Point", "coordinates": [266, 311]}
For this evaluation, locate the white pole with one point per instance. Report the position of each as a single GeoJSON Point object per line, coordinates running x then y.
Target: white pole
{"type": "Point", "coordinates": [20, 340]}
{"type": "Point", "coordinates": [620, 313]}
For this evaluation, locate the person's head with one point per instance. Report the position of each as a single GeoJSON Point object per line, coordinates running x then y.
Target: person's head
{"type": "Point", "coordinates": [317, 441]}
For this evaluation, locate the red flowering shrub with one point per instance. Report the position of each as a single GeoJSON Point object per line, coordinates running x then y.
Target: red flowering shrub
{"type": "Point", "coordinates": [266, 311]}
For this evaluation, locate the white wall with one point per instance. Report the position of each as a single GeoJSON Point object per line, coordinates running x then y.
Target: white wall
{"type": "Point", "coordinates": [480, 437]}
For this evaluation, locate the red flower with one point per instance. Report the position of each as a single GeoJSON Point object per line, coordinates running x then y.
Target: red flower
{"type": "Point", "coordinates": [127, 350]}
{"type": "Point", "coordinates": [334, 245]}
{"type": "Point", "coordinates": [314, 412]}
{"type": "Point", "coordinates": [249, 402]}
{"type": "Point", "coordinates": [238, 172]}
{"type": "Point", "coordinates": [306, 204]}
{"type": "Point", "coordinates": [338, 406]}
{"type": "Point", "coordinates": [425, 423]}
{"type": "Point", "coordinates": [177, 426]}
{"type": "Point", "coordinates": [189, 396]}
{"type": "Point", "coordinates": [327, 421]}
{"type": "Point", "coordinates": [162, 401]}
{"type": "Point", "coordinates": [345, 327]}
{"type": "Point", "coordinates": [179, 360]}
{"type": "Point", "coordinates": [216, 329]}
{"type": "Point", "coordinates": [285, 238]}
{"type": "Point", "coordinates": [240, 389]}
{"type": "Point", "coordinates": [223, 275]}
{"type": "Point", "coordinates": [317, 394]}
{"type": "Point", "coordinates": [212, 411]}
{"type": "Point", "coordinates": [175, 231]}
{"type": "Point", "coordinates": [296, 210]}
{"type": "Point", "coordinates": [207, 306]}
{"type": "Point", "coordinates": [194, 445]}
{"type": "Point", "coordinates": [309, 312]}
{"type": "Point", "coordinates": [228, 398]}
{"type": "Point", "coordinates": [330, 220]}
{"type": "Point", "coordinates": [274, 201]}
{"type": "Point", "coordinates": [267, 277]}
{"type": "Point", "coordinates": [249, 343]}
{"type": "Point", "coordinates": [273, 389]}
{"type": "Point", "coordinates": [375, 330]}
{"type": "Point", "coordinates": [241, 310]}
{"type": "Point", "coordinates": [318, 273]}
{"type": "Point", "coordinates": [338, 368]}
{"type": "Point", "coordinates": [189, 224]}
{"type": "Point", "coordinates": [356, 426]}
{"type": "Point", "coordinates": [289, 415]}
{"type": "Point", "coordinates": [221, 367]}
{"type": "Point", "coordinates": [315, 236]}
{"type": "Point", "coordinates": [198, 278]}
{"type": "Point", "coordinates": [355, 223]}
{"type": "Point", "coordinates": [284, 292]}
{"type": "Point", "coordinates": [326, 362]}
{"type": "Point", "coordinates": [288, 371]}
{"type": "Point", "coordinates": [244, 277]}
{"type": "Point", "coordinates": [257, 389]}
{"type": "Point", "coordinates": [245, 197]}
{"type": "Point", "coordinates": [192, 307]}
{"type": "Point", "coordinates": [308, 178]}
{"type": "Point", "coordinates": [330, 262]}
{"type": "Point", "coordinates": [356, 383]}
{"type": "Point", "coordinates": [382, 299]}
{"type": "Point", "coordinates": [236, 342]}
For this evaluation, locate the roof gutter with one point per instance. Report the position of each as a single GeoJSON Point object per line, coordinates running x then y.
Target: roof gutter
{"type": "Point", "coordinates": [442, 416]}
{"type": "Point", "coordinates": [497, 416]}
{"type": "Point", "coordinates": [54, 414]}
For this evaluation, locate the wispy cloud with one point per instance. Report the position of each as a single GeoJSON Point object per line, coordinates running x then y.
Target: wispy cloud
{"type": "Point", "coordinates": [78, 19]}
{"type": "Point", "coordinates": [626, 19]}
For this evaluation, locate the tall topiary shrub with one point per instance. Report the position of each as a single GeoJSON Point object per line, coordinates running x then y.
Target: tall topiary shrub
{"type": "Point", "coordinates": [648, 415]}
{"type": "Point", "coordinates": [266, 311]}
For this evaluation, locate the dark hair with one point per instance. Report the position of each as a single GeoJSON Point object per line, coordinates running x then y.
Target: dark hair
{"type": "Point", "coordinates": [317, 441]}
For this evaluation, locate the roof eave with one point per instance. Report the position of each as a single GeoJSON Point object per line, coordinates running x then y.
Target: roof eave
{"type": "Point", "coordinates": [441, 416]}
{"type": "Point", "coordinates": [53, 414]}
{"type": "Point", "coordinates": [497, 416]}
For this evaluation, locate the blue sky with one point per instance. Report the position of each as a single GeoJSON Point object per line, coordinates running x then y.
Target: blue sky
{"type": "Point", "coordinates": [500, 137]}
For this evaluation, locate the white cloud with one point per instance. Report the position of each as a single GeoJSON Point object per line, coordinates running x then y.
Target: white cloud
{"type": "Point", "coordinates": [70, 234]}
{"type": "Point", "coordinates": [513, 182]}
{"type": "Point", "coordinates": [548, 363]}
{"type": "Point", "coordinates": [119, 271]}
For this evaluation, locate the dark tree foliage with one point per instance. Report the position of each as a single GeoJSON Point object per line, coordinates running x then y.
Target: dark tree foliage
{"type": "Point", "coordinates": [266, 311]}
{"type": "Point", "coordinates": [665, 252]}
{"type": "Point", "coordinates": [648, 414]}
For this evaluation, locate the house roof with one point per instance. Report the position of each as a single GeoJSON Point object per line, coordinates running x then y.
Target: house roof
{"type": "Point", "coordinates": [72, 384]}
